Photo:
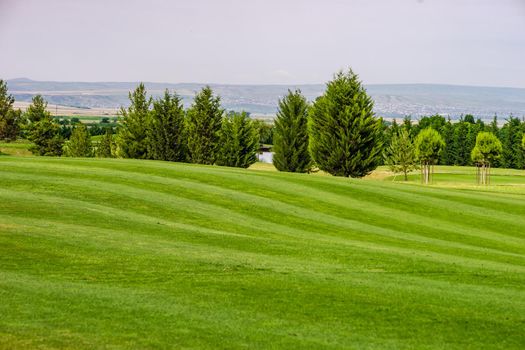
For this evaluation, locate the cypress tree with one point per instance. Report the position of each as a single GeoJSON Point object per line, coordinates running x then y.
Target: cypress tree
{"type": "Point", "coordinates": [106, 146]}
{"type": "Point", "coordinates": [203, 126]}
{"type": "Point", "coordinates": [239, 141]}
{"type": "Point", "coordinates": [345, 136]}
{"type": "Point", "coordinates": [131, 131]}
{"type": "Point", "coordinates": [165, 132]}
{"type": "Point", "coordinates": [44, 131]}
{"type": "Point", "coordinates": [291, 134]}
{"type": "Point", "coordinates": [79, 145]}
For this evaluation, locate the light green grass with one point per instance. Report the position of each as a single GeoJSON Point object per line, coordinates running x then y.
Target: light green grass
{"type": "Point", "coordinates": [142, 254]}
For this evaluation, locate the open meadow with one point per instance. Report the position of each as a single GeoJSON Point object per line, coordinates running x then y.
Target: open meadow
{"type": "Point", "coordinates": [113, 253]}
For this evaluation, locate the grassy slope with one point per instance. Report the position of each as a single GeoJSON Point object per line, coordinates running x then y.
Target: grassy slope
{"type": "Point", "coordinates": [123, 253]}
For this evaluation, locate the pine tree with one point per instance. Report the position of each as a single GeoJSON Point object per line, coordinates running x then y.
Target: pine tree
{"type": "Point", "coordinates": [131, 132]}
{"type": "Point", "coordinates": [239, 141]}
{"type": "Point", "coordinates": [203, 126]}
{"type": "Point", "coordinates": [449, 152]}
{"type": "Point", "coordinates": [44, 131]}
{"type": "Point", "coordinates": [345, 136]}
{"type": "Point", "coordinates": [291, 134]}
{"type": "Point", "coordinates": [106, 146]}
{"type": "Point", "coordinates": [166, 127]}
{"type": "Point", "coordinates": [11, 120]}
{"type": "Point", "coordinates": [461, 131]}
{"type": "Point", "coordinates": [429, 145]}
{"type": "Point", "coordinates": [511, 135]}
{"type": "Point", "coordinates": [79, 145]}
{"type": "Point", "coordinates": [400, 155]}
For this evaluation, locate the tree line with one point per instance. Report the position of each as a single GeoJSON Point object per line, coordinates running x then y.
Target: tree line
{"type": "Point", "coordinates": [337, 133]}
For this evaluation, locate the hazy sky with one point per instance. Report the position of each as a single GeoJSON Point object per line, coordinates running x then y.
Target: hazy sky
{"type": "Point", "coordinates": [470, 42]}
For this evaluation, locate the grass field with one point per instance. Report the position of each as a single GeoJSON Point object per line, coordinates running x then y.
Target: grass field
{"type": "Point", "coordinates": [141, 254]}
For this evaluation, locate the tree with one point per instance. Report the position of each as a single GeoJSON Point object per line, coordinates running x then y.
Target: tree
{"type": "Point", "coordinates": [79, 145]}
{"type": "Point", "coordinates": [106, 146]}
{"type": "Point", "coordinates": [291, 134]}
{"type": "Point", "coordinates": [239, 141]}
{"type": "Point", "coordinates": [203, 126]}
{"type": "Point", "coordinates": [448, 155]}
{"type": "Point", "coordinates": [131, 132]}
{"type": "Point", "coordinates": [265, 130]}
{"type": "Point", "coordinates": [400, 155]}
{"type": "Point", "coordinates": [44, 131]}
{"type": "Point", "coordinates": [487, 149]}
{"type": "Point", "coordinates": [429, 145]}
{"type": "Point", "coordinates": [11, 120]}
{"type": "Point", "coordinates": [510, 136]}
{"type": "Point", "coordinates": [166, 129]}
{"type": "Point", "coordinates": [345, 136]}
{"type": "Point", "coordinates": [461, 131]}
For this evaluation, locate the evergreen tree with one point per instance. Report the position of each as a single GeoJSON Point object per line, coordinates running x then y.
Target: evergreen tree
{"type": "Point", "coordinates": [131, 132]}
{"type": "Point", "coordinates": [400, 155]}
{"type": "Point", "coordinates": [345, 136]}
{"type": "Point", "coordinates": [511, 135]}
{"type": "Point", "coordinates": [487, 149]}
{"type": "Point", "coordinates": [461, 147]}
{"type": "Point", "coordinates": [448, 155]}
{"type": "Point", "coordinates": [407, 125]}
{"type": "Point", "coordinates": [44, 131]}
{"type": "Point", "coordinates": [291, 134]}
{"type": "Point", "coordinates": [265, 131]}
{"type": "Point", "coordinates": [11, 120]}
{"type": "Point", "coordinates": [166, 129]}
{"type": "Point", "coordinates": [79, 145]}
{"type": "Point", "coordinates": [239, 141]}
{"type": "Point", "coordinates": [106, 146]}
{"type": "Point", "coordinates": [493, 127]}
{"type": "Point", "coordinates": [429, 145]}
{"type": "Point", "coordinates": [203, 126]}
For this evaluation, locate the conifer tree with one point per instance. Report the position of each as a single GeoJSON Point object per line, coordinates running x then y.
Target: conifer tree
{"type": "Point", "coordinates": [203, 126]}
{"type": "Point", "coordinates": [290, 145]}
{"type": "Point", "coordinates": [131, 132]}
{"type": "Point", "coordinates": [44, 131]}
{"type": "Point", "coordinates": [11, 120]}
{"type": "Point", "coordinates": [511, 135]}
{"type": "Point", "coordinates": [400, 155]}
{"type": "Point", "coordinates": [239, 141]}
{"type": "Point", "coordinates": [166, 127]}
{"type": "Point", "coordinates": [448, 155]}
{"type": "Point", "coordinates": [106, 146]}
{"type": "Point", "coordinates": [79, 145]}
{"type": "Point", "coordinates": [461, 131]}
{"type": "Point", "coordinates": [429, 145]}
{"type": "Point", "coordinates": [345, 136]}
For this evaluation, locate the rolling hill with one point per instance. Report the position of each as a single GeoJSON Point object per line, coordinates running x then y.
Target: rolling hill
{"type": "Point", "coordinates": [391, 101]}
{"type": "Point", "coordinates": [108, 253]}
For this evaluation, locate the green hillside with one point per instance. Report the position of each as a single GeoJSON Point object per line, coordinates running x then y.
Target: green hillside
{"type": "Point", "coordinates": [105, 253]}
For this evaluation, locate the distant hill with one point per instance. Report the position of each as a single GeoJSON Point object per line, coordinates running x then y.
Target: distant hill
{"type": "Point", "coordinates": [391, 100]}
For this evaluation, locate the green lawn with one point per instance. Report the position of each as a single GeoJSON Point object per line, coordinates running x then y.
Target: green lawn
{"type": "Point", "coordinates": [110, 253]}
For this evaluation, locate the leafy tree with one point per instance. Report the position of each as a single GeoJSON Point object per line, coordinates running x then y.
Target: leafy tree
{"type": "Point", "coordinates": [429, 145]}
{"type": "Point", "coordinates": [166, 129]}
{"type": "Point", "coordinates": [131, 132]}
{"type": "Point", "coordinates": [291, 134]}
{"type": "Point", "coordinates": [203, 126]}
{"type": "Point", "coordinates": [239, 141]}
{"type": "Point", "coordinates": [79, 145]}
{"type": "Point", "coordinates": [265, 131]}
{"type": "Point", "coordinates": [345, 136]}
{"type": "Point", "coordinates": [106, 146]}
{"type": "Point", "coordinates": [487, 149]}
{"type": "Point", "coordinates": [400, 155]}
{"type": "Point", "coordinates": [44, 131]}
{"type": "Point", "coordinates": [436, 122]}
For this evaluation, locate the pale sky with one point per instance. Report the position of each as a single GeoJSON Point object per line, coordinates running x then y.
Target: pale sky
{"type": "Point", "coordinates": [468, 42]}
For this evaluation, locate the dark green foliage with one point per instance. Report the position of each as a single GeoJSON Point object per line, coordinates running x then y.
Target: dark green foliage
{"type": "Point", "coordinates": [291, 134]}
{"type": "Point", "coordinates": [79, 145]}
{"type": "Point", "coordinates": [435, 122]}
{"type": "Point", "coordinates": [106, 146]}
{"type": "Point", "coordinates": [461, 134]}
{"type": "Point", "coordinates": [448, 156]}
{"type": "Point", "coordinates": [203, 126]}
{"type": "Point", "coordinates": [44, 131]}
{"type": "Point", "coordinates": [166, 129]}
{"type": "Point", "coordinates": [345, 136]}
{"type": "Point", "coordinates": [400, 154]}
{"type": "Point", "coordinates": [239, 141]}
{"type": "Point", "coordinates": [11, 120]}
{"type": "Point", "coordinates": [511, 134]}
{"type": "Point", "coordinates": [131, 132]}
{"type": "Point", "coordinates": [265, 131]}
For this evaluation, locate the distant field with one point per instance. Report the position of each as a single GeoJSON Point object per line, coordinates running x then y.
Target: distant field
{"type": "Point", "coordinates": [111, 253]}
